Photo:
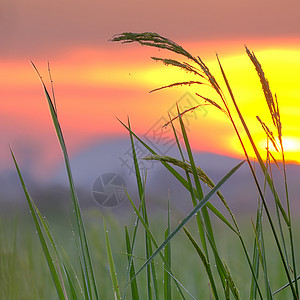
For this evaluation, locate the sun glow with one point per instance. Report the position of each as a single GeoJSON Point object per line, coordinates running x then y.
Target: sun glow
{"type": "Point", "coordinates": [291, 147]}
{"type": "Point", "coordinates": [93, 87]}
{"type": "Point", "coordinates": [291, 144]}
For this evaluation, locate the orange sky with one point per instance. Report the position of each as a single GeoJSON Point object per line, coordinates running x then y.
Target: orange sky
{"type": "Point", "coordinates": [93, 87]}
{"type": "Point", "coordinates": [97, 81]}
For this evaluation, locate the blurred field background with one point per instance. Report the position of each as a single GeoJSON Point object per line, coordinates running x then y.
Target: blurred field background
{"type": "Point", "coordinates": [24, 273]}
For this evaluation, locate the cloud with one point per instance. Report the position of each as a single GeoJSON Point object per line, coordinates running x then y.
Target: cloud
{"type": "Point", "coordinates": [38, 28]}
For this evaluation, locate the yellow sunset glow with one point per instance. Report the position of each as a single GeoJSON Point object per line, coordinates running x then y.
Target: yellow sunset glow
{"type": "Point", "coordinates": [105, 84]}
{"type": "Point", "coordinates": [291, 147]}
{"type": "Point", "coordinates": [280, 66]}
{"type": "Point", "coordinates": [291, 144]}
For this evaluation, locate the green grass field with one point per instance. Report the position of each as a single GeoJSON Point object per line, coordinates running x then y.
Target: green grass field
{"type": "Point", "coordinates": [24, 273]}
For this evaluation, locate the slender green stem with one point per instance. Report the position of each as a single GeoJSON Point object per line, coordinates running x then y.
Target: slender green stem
{"type": "Point", "coordinates": [255, 178]}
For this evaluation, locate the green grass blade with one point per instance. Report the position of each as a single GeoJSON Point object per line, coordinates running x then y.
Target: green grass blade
{"type": "Point", "coordinates": [130, 260]}
{"type": "Point", "coordinates": [273, 106]}
{"type": "Point", "coordinates": [186, 167]}
{"type": "Point", "coordinates": [141, 193]}
{"type": "Point", "coordinates": [204, 211]}
{"type": "Point", "coordinates": [148, 247]}
{"type": "Point", "coordinates": [112, 269]}
{"type": "Point", "coordinates": [153, 269]}
{"type": "Point", "coordinates": [285, 286]}
{"type": "Point", "coordinates": [261, 163]}
{"type": "Point", "coordinates": [167, 254]}
{"type": "Point", "coordinates": [191, 214]}
{"type": "Point", "coordinates": [61, 262]}
{"type": "Point", "coordinates": [85, 285]}
{"type": "Point", "coordinates": [50, 238]}
{"type": "Point", "coordinates": [259, 244]}
{"type": "Point", "coordinates": [87, 263]}
{"type": "Point", "coordinates": [151, 272]}
{"type": "Point", "coordinates": [73, 273]}
{"type": "Point", "coordinates": [136, 164]}
{"type": "Point", "coordinates": [221, 217]}
{"type": "Point", "coordinates": [269, 180]}
{"type": "Point", "coordinates": [186, 184]}
{"type": "Point", "coordinates": [73, 293]}
{"type": "Point", "coordinates": [182, 180]}
{"type": "Point", "coordinates": [197, 192]}
{"type": "Point", "coordinates": [151, 236]}
{"type": "Point", "coordinates": [148, 272]}
{"type": "Point", "coordinates": [231, 283]}
{"type": "Point", "coordinates": [141, 218]}
{"type": "Point", "coordinates": [50, 258]}
{"type": "Point", "coordinates": [261, 255]}
{"type": "Point", "coordinates": [224, 273]}
{"type": "Point", "coordinates": [141, 189]}
{"type": "Point", "coordinates": [205, 263]}
{"type": "Point", "coordinates": [255, 258]}
{"type": "Point", "coordinates": [180, 284]}
{"type": "Point", "coordinates": [191, 158]}
{"type": "Point", "coordinates": [134, 286]}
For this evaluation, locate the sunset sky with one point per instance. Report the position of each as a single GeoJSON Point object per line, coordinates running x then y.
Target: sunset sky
{"type": "Point", "coordinates": [96, 80]}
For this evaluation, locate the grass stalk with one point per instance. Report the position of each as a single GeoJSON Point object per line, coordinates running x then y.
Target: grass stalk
{"type": "Point", "coordinates": [51, 259]}
{"type": "Point", "coordinates": [134, 286]}
{"type": "Point", "coordinates": [204, 261]}
{"type": "Point", "coordinates": [257, 183]}
{"type": "Point", "coordinates": [113, 274]}
{"type": "Point", "coordinates": [167, 255]}
{"type": "Point", "coordinates": [190, 215]}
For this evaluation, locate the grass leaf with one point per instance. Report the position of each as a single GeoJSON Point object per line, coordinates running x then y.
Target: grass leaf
{"type": "Point", "coordinates": [134, 287]}
{"type": "Point", "coordinates": [40, 231]}
{"type": "Point", "coordinates": [112, 269]}
{"type": "Point", "coordinates": [89, 277]}
{"type": "Point", "coordinates": [205, 263]}
{"type": "Point", "coordinates": [191, 214]}
{"type": "Point", "coordinates": [167, 254]}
